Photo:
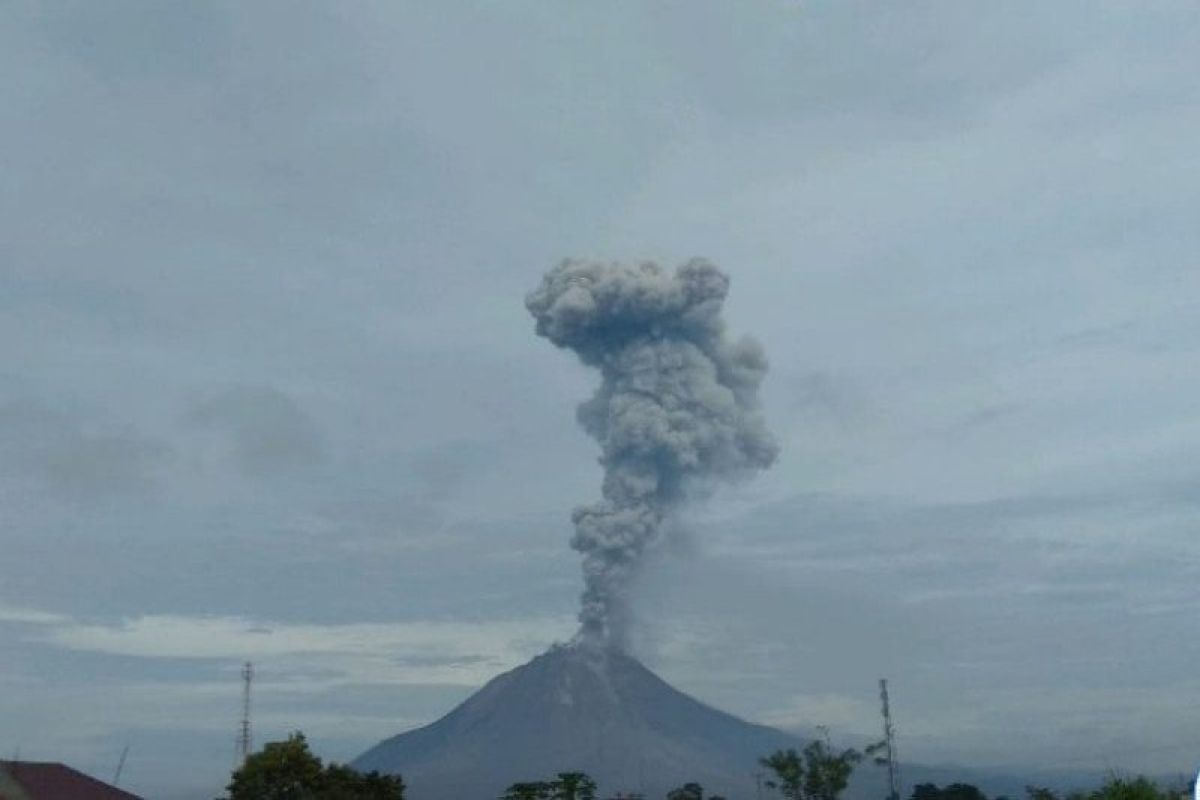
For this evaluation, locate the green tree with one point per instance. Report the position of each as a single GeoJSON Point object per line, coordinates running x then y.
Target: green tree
{"type": "Point", "coordinates": [528, 790]}
{"type": "Point", "coordinates": [284, 770]}
{"type": "Point", "coordinates": [953, 791]}
{"type": "Point", "coordinates": [1117, 787]}
{"type": "Point", "coordinates": [1123, 787]}
{"type": "Point", "coordinates": [288, 770]}
{"type": "Point", "coordinates": [689, 791]}
{"type": "Point", "coordinates": [817, 774]}
{"type": "Point", "coordinates": [568, 786]}
{"type": "Point", "coordinates": [343, 783]}
{"type": "Point", "coordinates": [573, 786]}
{"type": "Point", "coordinates": [1040, 793]}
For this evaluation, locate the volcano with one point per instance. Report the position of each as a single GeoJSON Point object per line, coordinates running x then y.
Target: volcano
{"type": "Point", "coordinates": [578, 708]}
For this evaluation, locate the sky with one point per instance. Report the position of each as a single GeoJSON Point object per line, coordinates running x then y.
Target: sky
{"type": "Point", "coordinates": [269, 392]}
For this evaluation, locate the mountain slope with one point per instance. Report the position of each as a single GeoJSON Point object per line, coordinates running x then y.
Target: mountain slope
{"type": "Point", "coordinates": [578, 708]}
{"type": "Point", "coordinates": [602, 712]}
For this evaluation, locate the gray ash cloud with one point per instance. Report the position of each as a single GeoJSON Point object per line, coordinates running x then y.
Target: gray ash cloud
{"type": "Point", "coordinates": [677, 409]}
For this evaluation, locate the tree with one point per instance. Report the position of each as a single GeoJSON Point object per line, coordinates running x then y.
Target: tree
{"type": "Point", "coordinates": [288, 770]}
{"type": "Point", "coordinates": [818, 774]}
{"type": "Point", "coordinates": [343, 783]}
{"type": "Point", "coordinates": [284, 770]}
{"type": "Point", "coordinates": [573, 786]}
{"type": "Point", "coordinates": [528, 790]}
{"type": "Point", "coordinates": [953, 791]}
{"type": "Point", "coordinates": [1123, 787]}
{"type": "Point", "coordinates": [568, 786]}
{"type": "Point", "coordinates": [1116, 787]}
{"type": "Point", "coordinates": [689, 791]}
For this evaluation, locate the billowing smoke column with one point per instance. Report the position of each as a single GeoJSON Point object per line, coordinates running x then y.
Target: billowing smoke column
{"type": "Point", "coordinates": [677, 409]}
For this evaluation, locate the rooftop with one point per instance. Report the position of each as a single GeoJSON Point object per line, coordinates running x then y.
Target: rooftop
{"type": "Point", "coordinates": [37, 780]}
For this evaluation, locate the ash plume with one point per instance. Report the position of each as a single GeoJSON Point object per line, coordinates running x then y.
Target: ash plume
{"type": "Point", "coordinates": [676, 411]}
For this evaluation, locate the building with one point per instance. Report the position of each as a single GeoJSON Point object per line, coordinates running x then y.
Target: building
{"type": "Point", "coordinates": [36, 780]}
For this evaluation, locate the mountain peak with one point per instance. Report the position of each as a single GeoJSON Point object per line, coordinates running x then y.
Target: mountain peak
{"type": "Point", "coordinates": [578, 706]}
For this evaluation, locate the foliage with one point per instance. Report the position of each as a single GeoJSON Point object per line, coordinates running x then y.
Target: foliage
{"type": "Point", "coordinates": [953, 791]}
{"type": "Point", "coordinates": [343, 783]}
{"type": "Point", "coordinates": [817, 774]}
{"type": "Point", "coordinates": [527, 790]}
{"type": "Point", "coordinates": [1116, 787]}
{"type": "Point", "coordinates": [568, 786]}
{"type": "Point", "coordinates": [573, 786]}
{"type": "Point", "coordinates": [288, 770]}
{"type": "Point", "coordinates": [1040, 793]}
{"type": "Point", "coordinates": [689, 791]}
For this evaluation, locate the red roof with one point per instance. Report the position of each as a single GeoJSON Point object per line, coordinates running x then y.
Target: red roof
{"type": "Point", "coordinates": [35, 780]}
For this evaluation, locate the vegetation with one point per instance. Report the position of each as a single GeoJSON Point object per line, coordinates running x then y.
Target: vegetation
{"type": "Point", "coordinates": [816, 774]}
{"type": "Point", "coordinates": [567, 786]}
{"type": "Point", "coordinates": [954, 791]}
{"type": "Point", "coordinates": [1117, 787]}
{"type": "Point", "coordinates": [690, 791]}
{"type": "Point", "coordinates": [579, 786]}
{"type": "Point", "coordinates": [288, 770]}
{"type": "Point", "coordinates": [528, 790]}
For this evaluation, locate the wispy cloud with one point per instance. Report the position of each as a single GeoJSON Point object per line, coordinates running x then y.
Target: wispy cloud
{"type": "Point", "coordinates": [312, 657]}
{"type": "Point", "coordinates": [838, 712]}
{"type": "Point", "coordinates": [30, 616]}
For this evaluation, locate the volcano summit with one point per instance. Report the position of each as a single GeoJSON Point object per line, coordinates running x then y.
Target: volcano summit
{"type": "Point", "coordinates": [578, 707]}
{"type": "Point", "coordinates": [677, 412]}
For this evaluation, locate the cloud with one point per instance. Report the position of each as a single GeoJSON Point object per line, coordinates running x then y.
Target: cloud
{"type": "Point", "coordinates": [266, 430]}
{"type": "Point", "coordinates": [30, 616]}
{"type": "Point", "coordinates": [75, 459]}
{"type": "Point", "coordinates": [317, 656]}
{"type": "Point", "coordinates": [836, 711]}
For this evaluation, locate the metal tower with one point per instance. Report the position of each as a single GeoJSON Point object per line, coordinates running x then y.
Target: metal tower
{"type": "Point", "coordinates": [889, 743]}
{"type": "Point", "coordinates": [245, 742]}
{"type": "Point", "coordinates": [116, 781]}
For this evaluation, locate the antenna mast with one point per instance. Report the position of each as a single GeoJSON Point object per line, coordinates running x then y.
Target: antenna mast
{"type": "Point", "coordinates": [890, 743]}
{"type": "Point", "coordinates": [116, 781]}
{"type": "Point", "coordinates": [245, 742]}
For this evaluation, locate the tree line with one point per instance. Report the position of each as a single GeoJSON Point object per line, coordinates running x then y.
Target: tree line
{"type": "Point", "coordinates": [288, 770]}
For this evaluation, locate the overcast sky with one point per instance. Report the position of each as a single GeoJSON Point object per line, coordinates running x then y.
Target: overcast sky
{"type": "Point", "coordinates": [268, 389]}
